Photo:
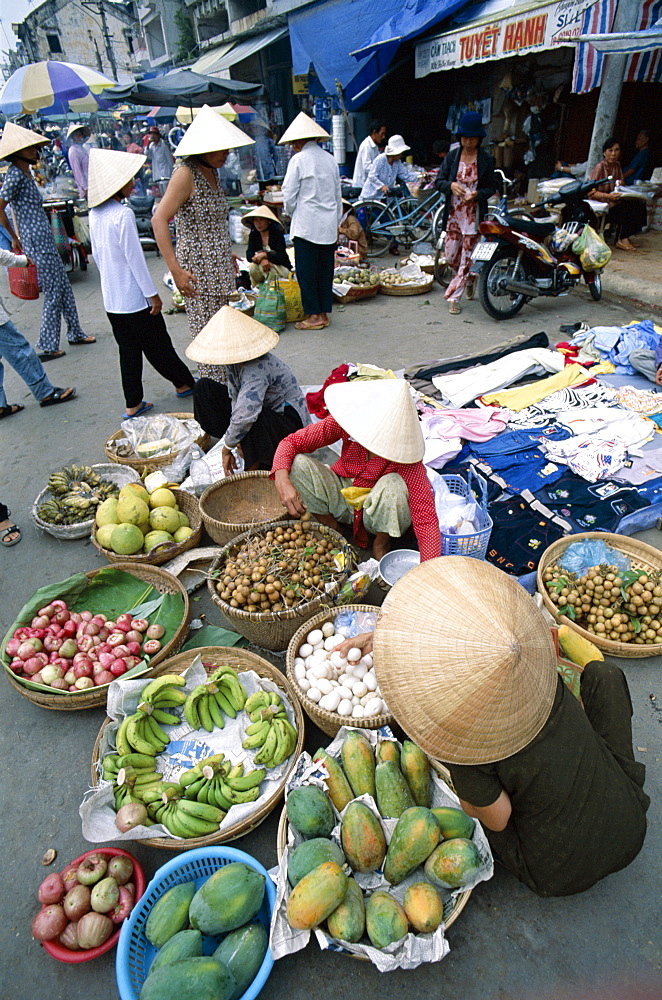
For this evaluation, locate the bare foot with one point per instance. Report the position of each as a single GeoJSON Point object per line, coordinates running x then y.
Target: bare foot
{"type": "Point", "coordinates": [381, 544]}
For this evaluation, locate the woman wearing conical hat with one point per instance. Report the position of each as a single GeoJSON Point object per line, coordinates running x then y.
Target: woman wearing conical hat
{"type": "Point", "coordinates": [382, 448]}
{"type": "Point", "coordinates": [266, 252]}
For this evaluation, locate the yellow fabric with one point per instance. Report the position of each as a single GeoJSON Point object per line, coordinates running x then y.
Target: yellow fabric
{"type": "Point", "coordinates": [528, 395]}
{"type": "Point", "coordinates": [604, 368]}
{"type": "Point", "coordinates": [367, 373]}
{"type": "Point", "coordinates": [356, 496]}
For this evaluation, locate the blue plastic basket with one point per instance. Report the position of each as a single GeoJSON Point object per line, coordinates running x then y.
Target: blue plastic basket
{"type": "Point", "coordinates": [134, 952]}
{"type": "Point", "coordinates": [475, 544]}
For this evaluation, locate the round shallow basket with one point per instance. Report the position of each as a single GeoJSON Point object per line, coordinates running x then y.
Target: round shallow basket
{"type": "Point", "coordinates": [122, 475]}
{"type": "Point", "coordinates": [238, 503]}
{"type": "Point", "coordinates": [62, 954]}
{"type": "Point", "coordinates": [143, 465]}
{"type": "Point", "coordinates": [643, 557]}
{"type": "Point", "coordinates": [274, 629]}
{"type": "Point", "coordinates": [240, 659]}
{"type": "Point", "coordinates": [135, 954]}
{"type": "Point", "coordinates": [328, 722]}
{"type": "Point", "coordinates": [406, 289]}
{"type": "Point", "coordinates": [161, 554]}
{"type": "Point", "coordinates": [67, 701]}
{"type": "Point", "coordinates": [357, 294]}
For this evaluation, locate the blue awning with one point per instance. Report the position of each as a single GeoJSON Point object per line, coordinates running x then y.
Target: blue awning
{"type": "Point", "coordinates": [412, 19]}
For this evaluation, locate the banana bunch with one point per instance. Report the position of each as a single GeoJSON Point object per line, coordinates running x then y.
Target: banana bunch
{"type": "Point", "coordinates": [76, 492]}
{"type": "Point", "coordinates": [208, 704]}
{"type": "Point", "coordinates": [270, 729]}
{"type": "Point", "coordinates": [72, 476]}
{"type": "Point", "coordinates": [182, 817]}
{"type": "Point", "coordinates": [217, 782]}
{"type": "Point", "coordinates": [133, 775]}
{"type": "Point", "coordinates": [142, 732]}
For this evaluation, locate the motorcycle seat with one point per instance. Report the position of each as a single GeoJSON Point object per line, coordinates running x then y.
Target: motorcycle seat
{"type": "Point", "coordinates": [351, 192]}
{"type": "Point", "coordinates": [141, 203]}
{"type": "Point", "coordinates": [531, 227]}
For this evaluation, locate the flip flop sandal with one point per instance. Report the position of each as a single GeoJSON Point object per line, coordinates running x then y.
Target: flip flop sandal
{"type": "Point", "coordinates": [51, 355]}
{"type": "Point", "coordinates": [454, 309]}
{"type": "Point", "coordinates": [470, 289]}
{"type": "Point", "coordinates": [58, 396]}
{"type": "Point", "coordinates": [12, 530]}
{"type": "Point", "coordinates": [9, 411]}
{"type": "Point", "coordinates": [143, 408]}
{"type": "Point", "coordinates": [187, 392]}
{"type": "Point", "coordinates": [310, 326]}
{"type": "Point", "coordinates": [85, 340]}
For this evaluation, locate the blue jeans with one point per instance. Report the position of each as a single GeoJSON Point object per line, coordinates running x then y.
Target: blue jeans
{"type": "Point", "coordinates": [15, 349]}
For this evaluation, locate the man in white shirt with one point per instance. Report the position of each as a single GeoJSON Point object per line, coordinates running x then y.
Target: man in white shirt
{"type": "Point", "coordinates": [368, 150]}
{"type": "Point", "coordinates": [387, 168]}
{"type": "Point", "coordinates": [311, 197]}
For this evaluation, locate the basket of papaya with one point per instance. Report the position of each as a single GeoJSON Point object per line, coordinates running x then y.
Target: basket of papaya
{"type": "Point", "coordinates": [386, 811]}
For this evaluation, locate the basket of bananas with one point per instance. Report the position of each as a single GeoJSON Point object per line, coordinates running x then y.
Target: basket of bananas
{"type": "Point", "coordinates": [67, 506]}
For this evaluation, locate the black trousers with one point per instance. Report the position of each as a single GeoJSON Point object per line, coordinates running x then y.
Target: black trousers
{"type": "Point", "coordinates": [314, 267]}
{"type": "Point", "coordinates": [141, 333]}
{"type": "Point", "coordinates": [627, 217]}
{"type": "Point", "coordinates": [212, 408]}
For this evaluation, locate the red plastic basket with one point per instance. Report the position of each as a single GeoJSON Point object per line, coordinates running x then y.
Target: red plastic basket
{"type": "Point", "coordinates": [23, 282]}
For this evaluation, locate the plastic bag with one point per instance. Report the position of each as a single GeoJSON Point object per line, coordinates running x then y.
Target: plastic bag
{"type": "Point", "coordinates": [352, 623]}
{"type": "Point", "coordinates": [160, 434]}
{"type": "Point", "coordinates": [293, 304]}
{"type": "Point", "coordinates": [357, 586]}
{"type": "Point", "coordinates": [59, 234]}
{"type": "Point", "coordinates": [596, 254]}
{"type": "Point", "coordinates": [560, 240]}
{"type": "Point", "coordinates": [581, 556]}
{"type": "Point", "coordinates": [270, 305]}
{"type": "Point", "coordinates": [208, 469]}
{"type": "Point", "coordinates": [178, 468]}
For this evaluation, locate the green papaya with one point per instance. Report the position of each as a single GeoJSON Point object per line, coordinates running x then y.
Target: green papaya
{"type": "Point", "coordinates": [416, 768]}
{"type": "Point", "coordinates": [393, 795]}
{"type": "Point", "coordinates": [184, 944]}
{"type": "Point", "coordinates": [229, 898]}
{"type": "Point", "coordinates": [453, 863]}
{"type": "Point", "coordinates": [453, 822]}
{"type": "Point", "coordinates": [415, 837]}
{"type": "Point", "coordinates": [190, 979]}
{"type": "Point", "coordinates": [347, 922]}
{"type": "Point", "coordinates": [337, 785]}
{"type": "Point", "coordinates": [311, 854]}
{"type": "Point", "coordinates": [358, 761]}
{"type": "Point", "coordinates": [385, 919]}
{"type": "Point", "coordinates": [387, 750]}
{"type": "Point", "coordinates": [242, 952]}
{"type": "Point", "coordinates": [309, 811]}
{"type": "Point", "coordinates": [362, 838]}
{"type": "Point", "coordinates": [169, 914]}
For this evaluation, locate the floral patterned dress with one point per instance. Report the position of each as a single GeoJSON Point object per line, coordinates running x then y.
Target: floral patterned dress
{"type": "Point", "coordinates": [204, 249]}
{"type": "Point", "coordinates": [461, 232]}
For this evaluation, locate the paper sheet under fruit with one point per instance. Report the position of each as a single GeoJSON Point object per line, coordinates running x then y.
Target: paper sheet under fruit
{"type": "Point", "coordinates": [97, 810]}
{"type": "Point", "coordinates": [413, 949]}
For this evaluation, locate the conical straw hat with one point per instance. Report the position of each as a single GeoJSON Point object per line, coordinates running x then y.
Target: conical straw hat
{"type": "Point", "coordinates": [109, 170]}
{"type": "Point", "coordinates": [74, 127]}
{"type": "Point", "coordinates": [465, 660]}
{"type": "Point", "coordinates": [210, 133]}
{"type": "Point", "coordinates": [380, 415]}
{"type": "Point", "coordinates": [229, 338]}
{"type": "Point", "coordinates": [261, 213]}
{"type": "Point", "coordinates": [15, 138]}
{"type": "Point", "coordinates": [302, 127]}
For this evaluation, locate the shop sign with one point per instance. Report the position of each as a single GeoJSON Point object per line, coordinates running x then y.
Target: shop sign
{"type": "Point", "coordinates": [541, 27]}
{"type": "Point", "coordinates": [300, 83]}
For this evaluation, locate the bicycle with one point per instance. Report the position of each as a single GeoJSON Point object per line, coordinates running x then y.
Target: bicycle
{"type": "Point", "coordinates": [397, 219]}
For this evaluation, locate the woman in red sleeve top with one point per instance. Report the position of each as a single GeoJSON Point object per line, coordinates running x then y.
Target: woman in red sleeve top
{"type": "Point", "coordinates": [382, 448]}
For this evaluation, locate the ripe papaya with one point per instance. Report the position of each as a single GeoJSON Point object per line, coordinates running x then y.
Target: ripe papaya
{"type": "Point", "coordinates": [453, 822]}
{"type": "Point", "coordinates": [358, 761]}
{"type": "Point", "coordinates": [169, 914]}
{"type": "Point", "coordinates": [385, 920]}
{"type": "Point", "coordinates": [347, 922]}
{"type": "Point", "coordinates": [393, 795]}
{"type": "Point", "coordinates": [387, 750]}
{"type": "Point", "coordinates": [337, 785]}
{"type": "Point", "coordinates": [190, 979]}
{"type": "Point", "coordinates": [242, 952]}
{"type": "Point", "coordinates": [416, 768]}
{"type": "Point", "coordinates": [309, 811]}
{"type": "Point", "coordinates": [453, 863]}
{"type": "Point", "coordinates": [311, 854]}
{"type": "Point", "coordinates": [184, 944]}
{"type": "Point", "coordinates": [415, 837]}
{"type": "Point", "coordinates": [316, 896]}
{"type": "Point", "coordinates": [229, 898]}
{"type": "Point", "coordinates": [362, 838]}
{"type": "Point", "coordinates": [424, 907]}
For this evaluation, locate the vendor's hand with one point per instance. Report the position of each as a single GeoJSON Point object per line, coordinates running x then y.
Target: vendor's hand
{"type": "Point", "coordinates": [185, 282]}
{"type": "Point", "coordinates": [229, 461]}
{"type": "Point", "coordinates": [658, 376]}
{"type": "Point", "coordinates": [259, 257]}
{"type": "Point", "coordinates": [362, 642]}
{"type": "Point", "coordinates": [235, 263]}
{"type": "Point", "coordinates": [289, 497]}
{"type": "Point", "coordinates": [266, 265]}
{"type": "Point", "coordinates": [457, 189]}
{"type": "Point", "coordinates": [157, 305]}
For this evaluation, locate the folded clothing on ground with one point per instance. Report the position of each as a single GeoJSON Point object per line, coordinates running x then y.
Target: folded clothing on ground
{"type": "Point", "coordinates": [522, 529]}
{"type": "Point", "coordinates": [528, 395]}
{"type": "Point", "coordinates": [523, 470]}
{"type": "Point", "coordinates": [464, 387]}
{"type": "Point", "coordinates": [520, 440]}
{"type": "Point", "coordinates": [597, 506]}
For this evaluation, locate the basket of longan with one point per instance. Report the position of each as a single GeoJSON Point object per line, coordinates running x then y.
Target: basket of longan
{"type": "Point", "coordinates": [270, 580]}
{"type": "Point", "coordinates": [619, 610]}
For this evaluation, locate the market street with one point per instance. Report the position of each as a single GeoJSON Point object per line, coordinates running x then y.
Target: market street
{"type": "Point", "coordinates": [508, 944]}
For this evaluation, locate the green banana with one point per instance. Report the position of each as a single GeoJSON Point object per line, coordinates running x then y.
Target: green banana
{"type": "Point", "coordinates": [264, 755]}
{"type": "Point", "coordinates": [224, 702]}
{"type": "Point", "coordinates": [121, 741]}
{"type": "Point", "coordinates": [191, 712]}
{"type": "Point", "coordinates": [218, 799]}
{"type": "Point", "coordinates": [194, 826]}
{"type": "Point", "coordinates": [215, 712]}
{"type": "Point", "coordinates": [235, 797]}
{"type": "Point", "coordinates": [199, 810]}
{"type": "Point", "coordinates": [283, 746]}
{"type": "Point", "coordinates": [172, 698]}
{"type": "Point", "coordinates": [204, 714]}
{"type": "Point", "coordinates": [165, 718]}
{"type": "Point", "coordinates": [259, 699]}
{"type": "Point", "coordinates": [137, 736]}
{"type": "Point", "coordinates": [154, 728]}
{"type": "Point", "coordinates": [249, 780]}
{"type": "Point", "coordinates": [233, 689]}
{"type": "Point", "coordinates": [159, 685]}
{"type": "Point", "coordinates": [137, 760]}
{"type": "Point", "coordinates": [258, 738]}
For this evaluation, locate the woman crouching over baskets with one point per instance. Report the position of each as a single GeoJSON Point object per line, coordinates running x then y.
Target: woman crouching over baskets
{"type": "Point", "coordinates": [266, 251]}
{"type": "Point", "coordinates": [379, 483]}
{"type": "Point", "coordinates": [552, 779]}
{"type": "Point", "coordinates": [261, 401]}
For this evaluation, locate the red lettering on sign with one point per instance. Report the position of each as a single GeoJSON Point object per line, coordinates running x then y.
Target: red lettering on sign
{"type": "Point", "coordinates": [525, 34]}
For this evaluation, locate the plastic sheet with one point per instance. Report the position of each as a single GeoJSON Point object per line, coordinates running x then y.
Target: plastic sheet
{"type": "Point", "coordinates": [581, 556]}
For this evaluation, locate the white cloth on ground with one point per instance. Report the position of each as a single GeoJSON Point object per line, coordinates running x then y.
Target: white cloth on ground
{"type": "Point", "coordinates": [463, 387]}
{"type": "Point", "coordinates": [642, 470]}
{"type": "Point", "coordinates": [609, 422]}
{"type": "Point", "coordinates": [588, 455]}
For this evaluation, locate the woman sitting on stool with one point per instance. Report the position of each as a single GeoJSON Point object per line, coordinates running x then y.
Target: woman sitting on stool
{"type": "Point", "coordinates": [266, 252]}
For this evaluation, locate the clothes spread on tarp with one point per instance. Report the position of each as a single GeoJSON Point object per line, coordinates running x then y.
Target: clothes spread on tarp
{"type": "Point", "coordinates": [616, 343]}
{"type": "Point", "coordinates": [639, 400]}
{"type": "Point", "coordinates": [513, 441]}
{"type": "Point", "coordinates": [544, 413]}
{"type": "Point", "coordinates": [528, 395]}
{"type": "Point", "coordinates": [522, 529]}
{"type": "Point", "coordinates": [428, 369]}
{"type": "Point", "coordinates": [652, 490]}
{"type": "Point", "coordinates": [608, 423]}
{"type": "Point", "coordinates": [444, 431]}
{"type": "Point", "coordinates": [522, 470]}
{"type": "Point", "coordinates": [589, 455]}
{"type": "Point", "coordinates": [464, 387]}
{"type": "Point", "coordinates": [315, 400]}
{"type": "Point", "coordinates": [642, 470]}
{"type": "Point", "coordinates": [592, 506]}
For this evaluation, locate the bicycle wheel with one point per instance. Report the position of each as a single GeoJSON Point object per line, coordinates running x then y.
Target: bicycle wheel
{"type": "Point", "coordinates": [443, 272]}
{"type": "Point", "coordinates": [377, 220]}
{"type": "Point", "coordinates": [437, 224]}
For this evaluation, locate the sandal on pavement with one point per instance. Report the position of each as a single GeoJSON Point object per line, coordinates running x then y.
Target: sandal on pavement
{"type": "Point", "coordinates": [470, 289]}
{"type": "Point", "coordinates": [620, 245]}
{"type": "Point", "coordinates": [58, 396]}
{"type": "Point", "coordinates": [13, 529]}
{"type": "Point", "coordinates": [9, 411]}
{"type": "Point", "coordinates": [143, 408]}
{"type": "Point", "coordinates": [85, 340]}
{"type": "Point", "coordinates": [187, 392]}
{"type": "Point", "coordinates": [310, 326]}
{"type": "Point", "coordinates": [455, 308]}
{"type": "Point", "coordinates": [51, 355]}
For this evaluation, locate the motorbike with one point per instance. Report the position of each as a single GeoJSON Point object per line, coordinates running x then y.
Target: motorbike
{"type": "Point", "coordinates": [72, 239]}
{"type": "Point", "coordinates": [142, 206]}
{"type": "Point", "coordinates": [513, 264]}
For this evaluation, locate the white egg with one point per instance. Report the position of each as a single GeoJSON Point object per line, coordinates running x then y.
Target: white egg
{"type": "Point", "coordinates": [374, 707]}
{"type": "Point", "coordinates": [337, 660]}
{"type": "Point", "coordinates": [305, 650]}
{"type": "Point", "coordinates": [357, 712]}
{"type": "Point", "coordinates": [356, 700]}
{"type": "Point", "coordinates": [367, 660]}
{"type": "Point", "coordinates": [345, 692]}
{"type": "Point", "coordinates": [354, 654]}
{"type": "Point", "coordinates": [359, 689]}
{"type": "Point", "coordinates": [319, 645]}
{"type": "Point", "coordinates": [315, 636]}
{"type": "Point", "coordinates": [320, 670]}
{"type": "Point", "coordinates": [330, 642]}
{"type": "Point", "coordinates": [325, 685]}
{"type": "Point", "coordinates": [298, 660]}
{"type": "Point", "coordinates": [319, 653]}
{"type": "Point", "coordinates": [370, 681]}
{"type": "Point", "coordinates": [330, 701]}
{"type": "Point", "coordinates": [345, 707]}
{"type": "Point", "coordinates": [314, 694]}
{"type": "Point", "coordinates": [366, 697]}
{"type": "Point", "coordinates": [305, 684]}
{"type": "Point", "coordinates": [299, 670]}
{"type": "Point", "coordinates": [345, 679]}
{"type": "Point", "coordinates": [328, 629]}
{"type": "Point", "coordinates": [309, 661]}
{"type": "Point", "coordinates": [359, 670]}
{"type": "Point", "coordinates": [343, 631]}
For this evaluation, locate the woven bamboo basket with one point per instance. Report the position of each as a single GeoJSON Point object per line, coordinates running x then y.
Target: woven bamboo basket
{"type": "Point", "coordinates": [67, 701]}
{"type": "Point", "coordinates": [406, 289]}
{"type": "Point", "coordinates": [357, 294]}
{"type": "Point", "coordinates": [274, 629]}
{"type": "Point", "coordinates": [328, 722]}
{"type": "Point", "coordinates": [69, 532]}
{"type": "Point", "coordinates": [144, 465]}
{"type": "Point", "coordinates": [426, 268]}
{"type": "Point", "coordinates": [240, 659]}
{"type": "Point", "coordinates": [188, 504]}
{"type": "Point", "coordinates": [643, 557]}
{"type": "Point", "coordinates": [239, 503]}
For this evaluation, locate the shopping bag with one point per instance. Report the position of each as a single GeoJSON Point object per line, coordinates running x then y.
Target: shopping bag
{"type": "Point", "coordinates": [293, 305]}
{"type": "Point", "coordinates": [580, 243]}
{"type": "Point", "coordinates": [59, 234]}
{"type": "Point", "coordinates": [270, 305]}
{"type": "Point", "coordinates": [596, 254]}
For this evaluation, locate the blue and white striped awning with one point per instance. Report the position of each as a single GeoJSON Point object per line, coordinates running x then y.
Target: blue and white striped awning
{"type": "Point", "coordinates": [644, 64]}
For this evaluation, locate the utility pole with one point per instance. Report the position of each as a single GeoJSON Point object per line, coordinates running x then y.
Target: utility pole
{"type": "Point", "coordinates": [101, 11]}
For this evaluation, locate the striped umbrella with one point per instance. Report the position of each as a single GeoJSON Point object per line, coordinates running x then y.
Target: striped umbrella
{"type": "Point", "coordinates": [54, 88]}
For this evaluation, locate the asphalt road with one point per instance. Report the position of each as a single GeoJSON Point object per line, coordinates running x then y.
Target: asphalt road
{"type": "Point", "coordinates": [508, 944]}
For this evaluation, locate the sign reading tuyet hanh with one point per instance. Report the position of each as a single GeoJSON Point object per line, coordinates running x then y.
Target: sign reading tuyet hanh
{"type": "Point", "coordinates": [539, 27]}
